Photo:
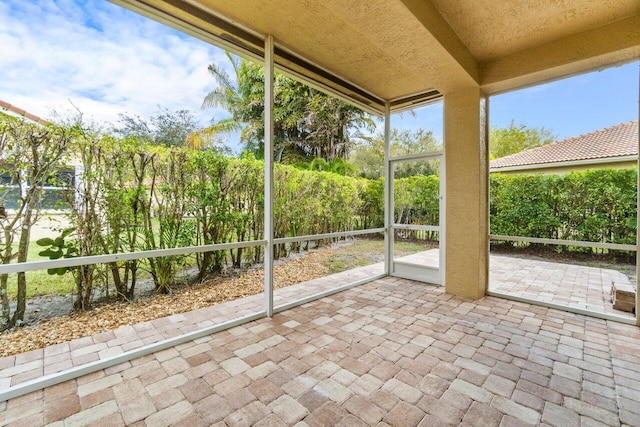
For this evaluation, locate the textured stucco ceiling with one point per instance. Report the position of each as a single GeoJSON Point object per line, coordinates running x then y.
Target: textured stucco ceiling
{"type": "Point", "coordinates": [392, 49]}
{"type": "Point", "coordinates": [369, 43]}
{"type": "Point", "coordinates": [497, 28]}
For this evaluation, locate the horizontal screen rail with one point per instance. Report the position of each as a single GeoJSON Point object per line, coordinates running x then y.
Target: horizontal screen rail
{"type": "Point", "coordinates": [126, 256]}
{"type": "Point", "coordinates": [416, 227]}
{"type": "Point", "coordinates": [599, 245]}
{"type": "Point", "coordinates": [327, 235]}
{"type": "Point", "coordinates": [562, 307]}
{"type": "Point", "coordinates": [418, 156]}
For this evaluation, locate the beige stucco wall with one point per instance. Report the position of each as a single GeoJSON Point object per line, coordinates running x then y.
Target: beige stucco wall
{"type": "Point", "coordinates": [466, 170]}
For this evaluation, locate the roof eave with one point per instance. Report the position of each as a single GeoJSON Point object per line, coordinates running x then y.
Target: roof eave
{"type": "Point", "coordinates": [571, 163]}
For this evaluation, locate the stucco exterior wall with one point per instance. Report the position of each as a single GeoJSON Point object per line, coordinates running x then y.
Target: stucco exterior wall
{"type": "Point", "coordinates": [566, 169]}
{"type": "Point", "coordinates": [466, 169]}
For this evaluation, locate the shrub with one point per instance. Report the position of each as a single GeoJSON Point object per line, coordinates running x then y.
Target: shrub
{"type": "Point", "coordinates": [592, 205]}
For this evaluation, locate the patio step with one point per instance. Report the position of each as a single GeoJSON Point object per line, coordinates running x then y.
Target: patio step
{"type": "Point", "coordinates": [623, 296]}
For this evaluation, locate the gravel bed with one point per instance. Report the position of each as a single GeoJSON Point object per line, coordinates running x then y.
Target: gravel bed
{"type": "Point", "coordinates": [109, 315]}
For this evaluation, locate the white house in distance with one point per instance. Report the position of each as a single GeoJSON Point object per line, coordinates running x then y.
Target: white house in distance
{"type": "Point", "coordinates": [612, 147]}
{"type": "Point", "coordinates": [53, 196]}
{"type": "Point", "coordinates": [12, 110]}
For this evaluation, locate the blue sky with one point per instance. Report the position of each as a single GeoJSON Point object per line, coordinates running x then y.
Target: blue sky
{"type": "Point", "coordinates": [116, 61]}
{"type": "Point", "coordinates": [100, 58]}
{"type": "Point", "coordinates": [568, 107]}
{"type": "Point", "coordinates": [573, 106]}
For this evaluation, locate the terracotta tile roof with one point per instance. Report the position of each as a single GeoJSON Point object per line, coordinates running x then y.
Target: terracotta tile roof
{"type": "Point", "coordinates": [22, 113]}
{"type": "Point", "coordinates": [616, 141]}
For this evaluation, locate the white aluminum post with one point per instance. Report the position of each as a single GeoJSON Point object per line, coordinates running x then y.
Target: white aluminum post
{"type": "Point", "coordinates": [388, 193]}
{"type": "Point", "coordinates": [442, 215]}
{"type": "Point", "coordinates": [268, 175]}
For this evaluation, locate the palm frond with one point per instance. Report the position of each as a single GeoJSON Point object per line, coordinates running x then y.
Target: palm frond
{"type": "Point", "coordinates": [221, 76]}
{"type": "Point", "coordinates": [228, 125]}
{"type": "Point", "coordinates": [235, 61]}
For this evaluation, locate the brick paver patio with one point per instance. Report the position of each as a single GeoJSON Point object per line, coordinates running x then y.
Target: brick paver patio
{"type": "Point", "coordinates": [15, 370]}
{"type": "Point", "coordinates": [577, 286]}
{"type": "Point", "coordinates": [390, 352]}
{"type": "Point", "coordinates": [582, 287]}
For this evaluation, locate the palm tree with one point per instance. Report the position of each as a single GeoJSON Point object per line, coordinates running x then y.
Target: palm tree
{"type": "Point", "coordinates": [307, 123]}
{"type": "Point", "coordinates": [241, 95]}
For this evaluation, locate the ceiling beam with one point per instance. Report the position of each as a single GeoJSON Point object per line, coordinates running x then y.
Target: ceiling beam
{"type": "Point", "coordinates": [618, 42]}
{"type": "Point", "coordinates": [427, 14]}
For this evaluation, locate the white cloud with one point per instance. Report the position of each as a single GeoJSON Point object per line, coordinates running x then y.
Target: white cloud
{"type": "Point", "coordinates": [102, 58]}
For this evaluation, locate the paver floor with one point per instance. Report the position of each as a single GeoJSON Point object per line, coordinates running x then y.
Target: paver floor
{"type": "Point", "coordinates": [15, 370]}
{"type": "Point", "coordinates": [584, 287]}
{"type": "Point", "coordinates": [390, 352]}
{"type": "Point", "coordinates": [577, 286]}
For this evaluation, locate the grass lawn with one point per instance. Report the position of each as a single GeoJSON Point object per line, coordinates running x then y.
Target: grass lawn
{"type": "Point", "coordinates": [40, 282]}
{"type": "Point", "coordinates": [363, 252]}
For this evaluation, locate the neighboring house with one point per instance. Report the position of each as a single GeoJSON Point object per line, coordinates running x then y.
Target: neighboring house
{"type": "Point", "coordinates": [612, 147]}
{"type": "Point", "coordinates": [12, 110]}
{"type": "Point", "coordinates": [54, 192]}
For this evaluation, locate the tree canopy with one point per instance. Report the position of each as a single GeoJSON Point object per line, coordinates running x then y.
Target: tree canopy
{"type": "Point", "coordinates": [516, 138]}
{"type": "Point", "coordinates": [368, 155]}
{"type": "Point", "coordinates": [308, 123]}
{"type": "Point", "coordinates": [168, 128]}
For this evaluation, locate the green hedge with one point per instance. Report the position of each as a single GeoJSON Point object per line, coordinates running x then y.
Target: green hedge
{"type": "Point", "coordinates": [593, 205]}
{"type": "Point", "coordinates": [152, 197]}
{"type": "Point", "coordinates": [149, 197]}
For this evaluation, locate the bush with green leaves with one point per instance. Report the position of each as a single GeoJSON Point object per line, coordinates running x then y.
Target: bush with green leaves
{"type": "Point", "coordinates": [370, 213]}
{"type": "Point", "coordinates": [30, 156]}
{"type": "Point", "coordinates": [135, 196]}
{"type": "Point", "coordinates": [58, 248]}
{"type": "Point", "coordinates": [594, 205]}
